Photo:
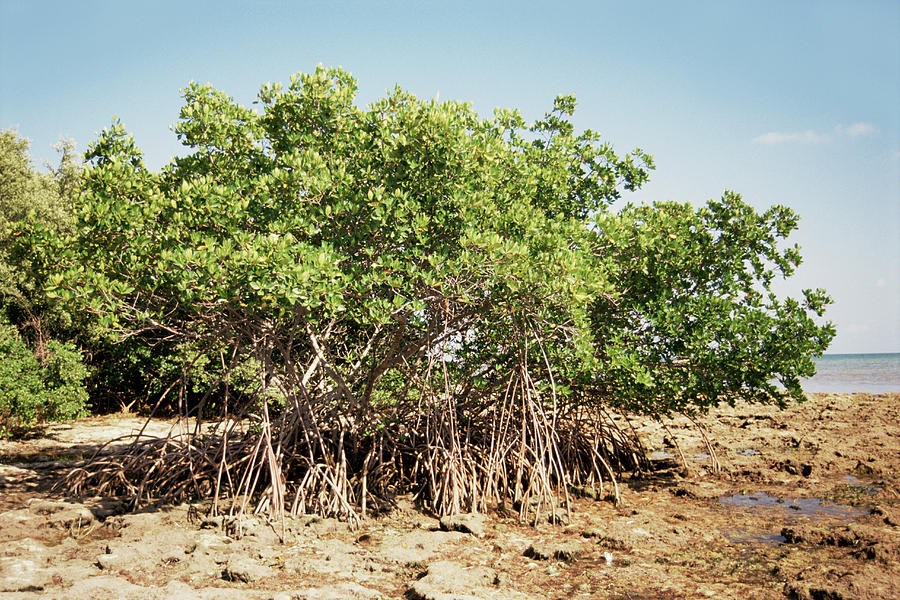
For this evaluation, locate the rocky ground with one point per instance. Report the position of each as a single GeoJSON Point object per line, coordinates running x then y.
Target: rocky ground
{"type": "Point", "coordinates": [807, 505]}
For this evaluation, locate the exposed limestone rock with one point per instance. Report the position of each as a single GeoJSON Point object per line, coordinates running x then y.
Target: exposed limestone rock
{"type": "Point", "coordinates": [246, 570]}
{"type": "Point", "coordinates": [566, 550]}
{"type": "Point", "coordinates": [465, 522]}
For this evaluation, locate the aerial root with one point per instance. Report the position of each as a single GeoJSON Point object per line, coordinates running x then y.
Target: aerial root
{"type": "Point", "coordinates": [453, 458]}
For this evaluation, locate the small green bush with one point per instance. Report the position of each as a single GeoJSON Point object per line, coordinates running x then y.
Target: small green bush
{"type": "Point", "coordinates": [31, 392]}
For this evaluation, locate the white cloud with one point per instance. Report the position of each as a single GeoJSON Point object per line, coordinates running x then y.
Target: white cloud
{"type": "Point", "coordinates": [777, 137]}
{"type": "Point", "coordinates": [857, 130]}
{"type": "Point", "coordinates": [881, 282]}
{"type": "Point", "coordinates": [810, 136]}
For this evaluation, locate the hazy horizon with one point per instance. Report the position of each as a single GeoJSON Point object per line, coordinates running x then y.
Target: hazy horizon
{"type": "Point", "coordinates": [859, 353]}
{"type": "Point", "coordinates": [845, 373]}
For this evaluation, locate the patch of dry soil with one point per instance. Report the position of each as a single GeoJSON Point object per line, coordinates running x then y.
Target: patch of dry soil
{"type": "Point", "coordinates": [807, 505]}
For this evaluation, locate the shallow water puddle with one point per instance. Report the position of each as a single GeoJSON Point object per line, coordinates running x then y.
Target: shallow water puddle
{"type": "Point", "coordinates": [805, 507]}
{"type": "Point", "coordinates": [754, 537]}
{"type": "Point", "coordinates": [863, 486]}
{"type": "Point", "coordinates": [661, 455]}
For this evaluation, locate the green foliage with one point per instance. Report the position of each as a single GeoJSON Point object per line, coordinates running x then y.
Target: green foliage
{"type": "Point", "coordinates": [139, 373]}
{"type": "Point", "coordinates": [41, 377]}
{"type": "Point", "coordinates": [29, 198]}
{"type": "Point", "coordinates": [36, 213]}
{"type": "Point", "coordinates": [694, 321]}
{"type": "Point", "coordinates": [375, 221]}
{"type": "Point", "coordinates": [31, 392]}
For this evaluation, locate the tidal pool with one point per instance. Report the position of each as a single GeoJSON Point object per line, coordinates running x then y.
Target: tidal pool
{"type": "Point", "coordinates": [865, 487]}
{"type": "Point", "coordinates": [805, 507]}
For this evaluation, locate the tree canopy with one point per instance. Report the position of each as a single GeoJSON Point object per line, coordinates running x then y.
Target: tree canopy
{"type": "Point", "coordinates": [431, 300]}
{"type": "Point", "coordinates": [41, 372]}
{"type": "Point", "coordinates": [695, 321]}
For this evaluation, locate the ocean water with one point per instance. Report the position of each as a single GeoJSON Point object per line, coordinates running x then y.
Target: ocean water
{"type": "Point", "coordinates": [843, 373]}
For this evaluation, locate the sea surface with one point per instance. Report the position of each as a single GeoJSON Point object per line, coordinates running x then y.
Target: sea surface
{"type": "Point", "coordinates": [843, 373]}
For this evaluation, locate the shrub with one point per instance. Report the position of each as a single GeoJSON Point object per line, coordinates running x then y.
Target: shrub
{"type": "Point", "coordinates": [426, 293]}
{"type": "Point", "coordinates": [31, 392]}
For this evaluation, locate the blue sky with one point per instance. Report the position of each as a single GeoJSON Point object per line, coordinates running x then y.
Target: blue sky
{"type": "Point", "coordinates": [787, 102]}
